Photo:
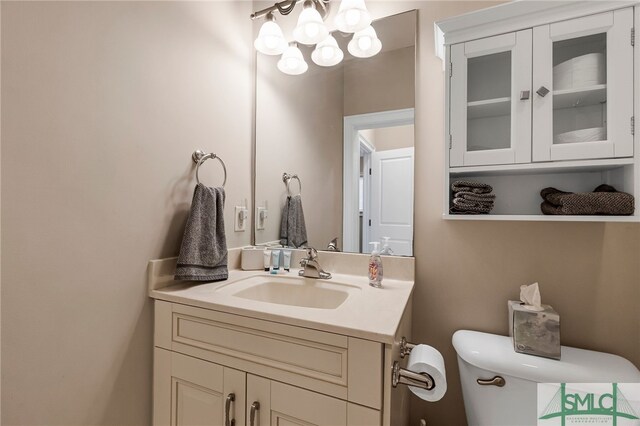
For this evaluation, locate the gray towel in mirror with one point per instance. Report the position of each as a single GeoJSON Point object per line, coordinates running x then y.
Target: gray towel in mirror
{"type": "Point", "coordinates": [293, 231]}
{"type": "Point", "coordinates": [203, 253]}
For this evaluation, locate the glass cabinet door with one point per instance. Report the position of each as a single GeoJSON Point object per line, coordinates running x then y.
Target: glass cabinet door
{"type": "Point", "coordinates": [583, 82]}
{"type": "Point", "coordinates": [490, 117]}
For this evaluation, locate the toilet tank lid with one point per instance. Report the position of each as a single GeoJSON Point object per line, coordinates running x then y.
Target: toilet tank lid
{"type": "Point", "coordinates": [496, 354]}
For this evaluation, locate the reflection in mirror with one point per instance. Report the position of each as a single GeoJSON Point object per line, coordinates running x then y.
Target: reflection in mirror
{"type": "Point", "coordinates": [347, 133]}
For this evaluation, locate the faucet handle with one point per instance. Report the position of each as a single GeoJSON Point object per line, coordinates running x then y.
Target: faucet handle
{"type": "Point", "coordinates": [312, 253]}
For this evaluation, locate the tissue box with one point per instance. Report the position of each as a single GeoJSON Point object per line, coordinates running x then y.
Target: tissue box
{"type": "Point", "coordinates": [534, 332]}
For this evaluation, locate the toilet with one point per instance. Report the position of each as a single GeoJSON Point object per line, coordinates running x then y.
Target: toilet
{"type": "Point", "coordinates": [483, 356]}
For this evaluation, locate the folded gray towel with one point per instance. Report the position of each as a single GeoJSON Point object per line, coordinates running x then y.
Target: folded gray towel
{"type": "Point", "coordinates": [604, 200]}
{"type": "Point", "coordinates": [203, 253]}
{"type": "Point", "coordinates": [465, 206]}
{"type": "Point", "coordinates": [471, 186]}
{"type": "Point", "coordinates": [472, 196]}
{"type": "Point", "coordinates": [293, 232]}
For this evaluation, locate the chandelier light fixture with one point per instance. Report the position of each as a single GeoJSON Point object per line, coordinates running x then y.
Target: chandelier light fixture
{"type": "Point", "coordinates": [352, 17]}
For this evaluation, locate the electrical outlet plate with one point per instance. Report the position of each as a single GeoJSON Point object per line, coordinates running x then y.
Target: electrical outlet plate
{"type": "Point", "coordinates": [240, 221]}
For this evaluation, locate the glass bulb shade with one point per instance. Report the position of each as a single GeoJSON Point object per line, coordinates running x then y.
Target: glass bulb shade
{"type": "Point", "coordinates": [292, 62]}
{"type": "Point", "coordinates": [352, 16]}
{"type": "Point", "coordinates": [270, 39]}
{"type": "Point", "coordinates": [310, 28]}
{"type": "Point", "coordinates": [327, 53]}
{"type": "Point", "coordinates": [365, 43]}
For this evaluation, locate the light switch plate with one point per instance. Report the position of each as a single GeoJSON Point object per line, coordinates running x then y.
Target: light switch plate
{"type": "Point", "coordinates": [261, 218]}
{"type": "Point", "coordinates": [240, 219]}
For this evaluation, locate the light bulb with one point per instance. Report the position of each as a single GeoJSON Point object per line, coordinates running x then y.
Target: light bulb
{"type": "Point", "coordinates": [352, 16]}
{"type": "Point", "coordinates": [270, 39]}
{"type": "Point", "coordinates": [327, 53]}
{"type": "Point", "coordinates": [365, 43]}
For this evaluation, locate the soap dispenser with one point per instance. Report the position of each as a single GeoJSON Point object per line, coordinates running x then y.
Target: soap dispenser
{"type": "Point", "coordinates": [375, 267]}
{"type": "Point", "coordinates": [386, 250]}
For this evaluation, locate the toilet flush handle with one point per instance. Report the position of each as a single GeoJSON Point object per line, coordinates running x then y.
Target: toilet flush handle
{"type": "Point", "coordinates": [496, 381]}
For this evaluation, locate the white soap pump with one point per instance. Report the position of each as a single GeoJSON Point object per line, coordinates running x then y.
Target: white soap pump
{"type": "Point", "coordinates": [386, 250]}
{"type": "Point", "coordinates": [375, 266]}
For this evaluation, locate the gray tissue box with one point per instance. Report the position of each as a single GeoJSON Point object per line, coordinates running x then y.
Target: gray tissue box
{"type": "Point", "coordinates": [534, 332]}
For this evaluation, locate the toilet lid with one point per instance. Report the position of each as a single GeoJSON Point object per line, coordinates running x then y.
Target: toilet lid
{"type": "Point", "coordinates": [496, 354]}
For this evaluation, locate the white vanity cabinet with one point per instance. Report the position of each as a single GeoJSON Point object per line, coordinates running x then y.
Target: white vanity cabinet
{"type": "Point", "coordinates": [217, 368]}
{"type": "Point", "coordinates": [542, 94]}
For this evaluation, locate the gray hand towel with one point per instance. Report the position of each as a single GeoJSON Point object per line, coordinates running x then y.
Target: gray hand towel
{"type": "Point", "coordinates": [203, 253]}
{"type": "Point", "coordinates": [293, 232]}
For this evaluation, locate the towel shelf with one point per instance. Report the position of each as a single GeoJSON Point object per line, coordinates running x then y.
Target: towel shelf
{"type": "Point", "coordinates": [287, 178]}
{"type": "Point", "coordinates": [200, 157]}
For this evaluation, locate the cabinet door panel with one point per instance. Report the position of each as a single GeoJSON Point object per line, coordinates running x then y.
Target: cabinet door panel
{"type": "Point", "coordinates": [194, 405]}
{"type": "Point", "coordinates": [489, 122]}
{"type": "Point", "coordinates": [587, 65]}
{"type": "Point", "coordinates": [302, 407]}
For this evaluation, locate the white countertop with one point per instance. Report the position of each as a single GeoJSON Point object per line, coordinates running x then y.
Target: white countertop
{"type": "Point", "coordinates": [368, 313]}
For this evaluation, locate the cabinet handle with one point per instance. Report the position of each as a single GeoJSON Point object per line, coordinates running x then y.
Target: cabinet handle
{"type": "Point", "coordinates": [524, 95]}
{"type": "Point", "coordinates": [542, 91]}
{"type": "Point", "coordinates": [252, 417]}
{"type": "Point", "coordinates": [227, 407]}
{"type": "Point", "coordinates": [496, 381]}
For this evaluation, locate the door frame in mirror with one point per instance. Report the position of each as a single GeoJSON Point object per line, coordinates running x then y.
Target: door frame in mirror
{"type": "Point", "coordinates": [351, 165]}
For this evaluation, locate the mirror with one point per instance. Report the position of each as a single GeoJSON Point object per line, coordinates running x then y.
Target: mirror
{"type": "Point", "coordinates": [342, 138]}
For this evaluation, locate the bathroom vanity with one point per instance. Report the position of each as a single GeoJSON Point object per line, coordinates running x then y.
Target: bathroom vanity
{"type": "Point", "coordinates": [260, 349]}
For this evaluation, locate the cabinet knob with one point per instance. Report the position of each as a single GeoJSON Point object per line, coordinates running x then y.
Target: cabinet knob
{"type": "Point", "coordinates": [524, 95]}
{"type": "Point", "coordinates": [542, 91]}
{"type": "Point", "coordinates": [255, 407]}
{"type": "Point", "coordinates": [227, 407]}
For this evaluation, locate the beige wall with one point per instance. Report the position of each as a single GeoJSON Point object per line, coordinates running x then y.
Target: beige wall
{"type": "Point", "coordinates": [393, 90]}
{"type": "Point", "coordinates": [466, 271]}
{"type": "Point", "coordinates": [102, 105]}
{"type": "Point", "coordinates": [299, 131]}
{"type": "Point", "coordinates": [386, 138]}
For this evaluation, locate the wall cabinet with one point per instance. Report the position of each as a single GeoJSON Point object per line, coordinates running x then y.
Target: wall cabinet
{"type": "Point", "coordinates": [572, 79]}
{"type": "Point", "coordinates": [547, 101]}
{"type": "Point", "coordinates": [215, 368]}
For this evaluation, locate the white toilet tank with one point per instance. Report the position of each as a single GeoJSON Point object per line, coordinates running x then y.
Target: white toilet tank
{"type": "Point", "coordinates": [484, 356]}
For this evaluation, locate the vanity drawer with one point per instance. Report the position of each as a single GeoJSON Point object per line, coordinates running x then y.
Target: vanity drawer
{"type": "Point", "coordinates": [316, 360]}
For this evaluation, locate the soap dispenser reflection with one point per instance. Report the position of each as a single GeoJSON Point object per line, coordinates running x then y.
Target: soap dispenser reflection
{"type": "Point", "coordinates": [375, 267]}
{"type": "Point", "coordinates": [386, 250]}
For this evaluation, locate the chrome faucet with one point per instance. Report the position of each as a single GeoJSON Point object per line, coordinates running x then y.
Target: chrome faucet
{"type": "Point", "coordinates": [310, 266]}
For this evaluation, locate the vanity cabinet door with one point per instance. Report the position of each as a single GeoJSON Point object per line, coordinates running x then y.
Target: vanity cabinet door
{"type": "Point", "coordinates": [490, 105]}
{"type": "Point", "coordinates": [583, 78]}
{"type": "Point", "coordinates": [278, 404]}
{"type": "Point", "coordinates": [189, 391]}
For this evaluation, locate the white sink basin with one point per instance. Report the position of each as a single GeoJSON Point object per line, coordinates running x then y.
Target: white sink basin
{"type": "Point", "coordinates": [292, 291]}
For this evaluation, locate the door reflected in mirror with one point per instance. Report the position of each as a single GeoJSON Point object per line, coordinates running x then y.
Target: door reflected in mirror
{"type": "Point", "coordinates": [347, 133]}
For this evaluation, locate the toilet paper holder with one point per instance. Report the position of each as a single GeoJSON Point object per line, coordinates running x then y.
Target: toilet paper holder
{"type": "Point", "coordinates": [403, 376]}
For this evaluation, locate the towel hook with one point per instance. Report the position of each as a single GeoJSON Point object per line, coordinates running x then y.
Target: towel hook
{"type": "Point", "coordinates": [200, 157]}
{"type": "Point", "coordinates": [286, 178]}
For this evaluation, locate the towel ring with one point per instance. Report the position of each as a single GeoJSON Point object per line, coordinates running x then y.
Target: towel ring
{"type": "Point", "coordinates": [286, 178]}
{"type": "Point", "coordinates": [200, 157]}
